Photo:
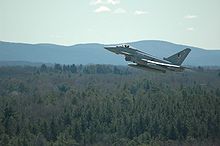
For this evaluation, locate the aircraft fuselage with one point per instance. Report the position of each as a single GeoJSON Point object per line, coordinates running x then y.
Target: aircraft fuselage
{"type": "Point", "coordinates": [143, 60]}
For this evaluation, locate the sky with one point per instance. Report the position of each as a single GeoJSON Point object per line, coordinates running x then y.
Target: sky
{"type": "Point", "coordinates": [67, 22]}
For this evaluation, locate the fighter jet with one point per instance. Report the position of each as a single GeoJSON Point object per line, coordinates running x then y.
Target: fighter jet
{"type": "Point", "coordinates": [142, 60]}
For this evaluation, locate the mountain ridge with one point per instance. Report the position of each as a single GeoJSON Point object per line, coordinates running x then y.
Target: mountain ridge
{"type": "Point", "coordinates": [90, 43]}
{"type": "Point", "coordinates": [94, 53]}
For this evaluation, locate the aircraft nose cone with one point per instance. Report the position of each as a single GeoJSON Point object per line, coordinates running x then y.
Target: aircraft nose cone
{"type": "Point", "coordinates": [109, 48]}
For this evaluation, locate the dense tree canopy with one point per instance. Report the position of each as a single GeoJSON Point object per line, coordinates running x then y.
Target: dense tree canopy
{"type": "Point", "coordinates": [108, 105]}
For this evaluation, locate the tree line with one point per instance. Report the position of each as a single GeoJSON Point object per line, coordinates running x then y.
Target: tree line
{"type": "Point", "coordinates": [108, 105]}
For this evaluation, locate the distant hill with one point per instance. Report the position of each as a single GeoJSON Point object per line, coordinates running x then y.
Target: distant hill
{"type": "Point", "coordinates": [93, 53]}
{"type": "Point", "coordinates": [23, 63]}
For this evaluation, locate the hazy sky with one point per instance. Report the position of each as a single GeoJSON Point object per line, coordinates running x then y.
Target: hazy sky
{"type": "Point", "coordinates": [190, 22]}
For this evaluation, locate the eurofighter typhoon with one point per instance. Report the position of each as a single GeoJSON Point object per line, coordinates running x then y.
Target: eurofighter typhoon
{"type": "Point", "coordinates": [142, 60]}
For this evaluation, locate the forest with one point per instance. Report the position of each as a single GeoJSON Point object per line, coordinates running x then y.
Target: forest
{"type": "Point", "coordinates": [96, 105]}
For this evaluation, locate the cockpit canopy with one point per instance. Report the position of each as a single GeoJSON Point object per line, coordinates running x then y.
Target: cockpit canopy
{"type": "Point", "coordinates": [123, 46]}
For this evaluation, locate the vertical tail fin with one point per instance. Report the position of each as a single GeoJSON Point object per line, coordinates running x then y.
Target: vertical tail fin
{"type": "Point", "coordinates": [179, 57]}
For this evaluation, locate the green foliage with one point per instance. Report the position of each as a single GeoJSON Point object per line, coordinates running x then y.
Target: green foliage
{"type": "Point", "coordinates": [43, 68]}
{"type": "Point", "coordinates": [108, 105]}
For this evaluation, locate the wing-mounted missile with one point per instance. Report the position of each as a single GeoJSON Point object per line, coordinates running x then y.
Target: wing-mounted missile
{"type": "Point", "coordinates": [146, 68]}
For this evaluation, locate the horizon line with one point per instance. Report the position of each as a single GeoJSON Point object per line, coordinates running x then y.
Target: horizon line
{"type": "Point", "coordinates": [85, 43]}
